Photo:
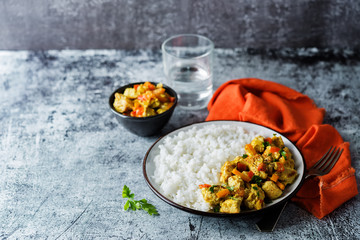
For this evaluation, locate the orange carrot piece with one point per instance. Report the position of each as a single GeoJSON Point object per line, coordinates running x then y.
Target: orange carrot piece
{"type": "Point", "coordinates": [249, 148]}
{"type": "Point", "coordinates": [274, 149]}
{"type": "Point", "coordinates": [223, 193]}
{"type": "Point", "coordinates": [250, 174]}
{"type": "Point", "coordinates": [147, 96]}
{"type": "Point", "coordinates": [138, 112]}
{"type": "Point", "coordinates": [204, 186]}
{"type": "Point", "coordinates": [245, 177]}
{"type": "Point", "coordinates": [280, 185]}
{"type": "Point", "coordinates": [149, 85]}
{"type": "Point", "coordinates": [262, 167]}
{"type": "Point", "coordinates": [159, 91]}
{"type": "Point", "coordinates": [236, 172]}
{"type": "Point", "coordinates": [241, 167]}
{"type": "Point", "coordinates": [280, 167]}
{"type": "Point", "coordinates": [274, 178]}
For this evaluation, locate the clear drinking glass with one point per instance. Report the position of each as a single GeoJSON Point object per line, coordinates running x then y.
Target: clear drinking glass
{"type": "Point", "coordinates": [188, 66]}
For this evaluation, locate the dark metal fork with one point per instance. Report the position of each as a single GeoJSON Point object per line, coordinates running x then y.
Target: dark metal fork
{"type": "Point", "coordinates": [320, 168]}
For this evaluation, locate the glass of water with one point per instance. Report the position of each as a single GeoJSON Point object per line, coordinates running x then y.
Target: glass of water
{"type": "Point", "coordinates": [188, 66]}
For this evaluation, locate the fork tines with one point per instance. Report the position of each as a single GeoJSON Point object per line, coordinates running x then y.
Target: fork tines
{"type": "Point", "coordinates": [327, 162]}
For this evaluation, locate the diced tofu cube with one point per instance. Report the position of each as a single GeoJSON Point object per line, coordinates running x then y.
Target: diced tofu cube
{"type": "Point", "coordinates": [230, 206]}
{"type": "Point", "coordinates": [130, 93]}
{"type": "Point", "coordinates": [277, 141]}
{"type": "Point", "coordinates": [254, 162]}
{"type": "Point", "coordinates": [236, 182]}
{"type": "Point", "coordinates": [288, 175]}
{"type": "Point", "coordinates": [263, 174]}
{"type": "Point", "coordinates": [290, 163]}
{"type": "Point", "coordinates": [258, 144]}
{"type": "Point", "coordinates": [255, 194]}
{"type": "Point", "coordinates": [150, 112]}
{"type": "Point", "coordinates": [154, 103]}
{"type": "Point", "coordinates": [271, 190]}
{"type": "Point", "coordinates": [268, 153]}
{"type": "Point", "coordinates": [122, 103]}
{"type": "Point", "coordinates": [226, 171]}
{"type": "Point", "coordinates": [210, 197]}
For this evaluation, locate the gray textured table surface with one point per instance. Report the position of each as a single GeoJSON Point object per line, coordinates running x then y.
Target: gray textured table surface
{"type": "Point", "coordinates": [64, 158]}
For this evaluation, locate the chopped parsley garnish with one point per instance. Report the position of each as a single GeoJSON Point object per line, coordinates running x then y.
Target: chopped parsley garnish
{"type": "Point", "coordinates": [211, 189]}
{"type": "Point", "coordinates": [216, 208]}
{"type": "Point", "coordinates": [245, 156]}
{"type": "Point", "coordinates": [266, 143]}
{"type": "Point", "coordinates": [255, 188]}
{"type": "Point", "coordinates": [135, 204]}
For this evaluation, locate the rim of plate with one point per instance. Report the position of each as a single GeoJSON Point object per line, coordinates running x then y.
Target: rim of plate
{"type": "Point", "coordinates": [267, 207]}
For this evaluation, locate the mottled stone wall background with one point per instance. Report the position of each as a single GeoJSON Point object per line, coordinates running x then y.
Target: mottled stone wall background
{"type": "Point", "coordinates": [134, 24]}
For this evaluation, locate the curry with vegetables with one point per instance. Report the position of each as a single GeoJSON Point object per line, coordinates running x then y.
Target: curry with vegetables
{"type": "Point", "coordinates": [248, 181]}
{"type": "Point", "coordinates": [143, 100]}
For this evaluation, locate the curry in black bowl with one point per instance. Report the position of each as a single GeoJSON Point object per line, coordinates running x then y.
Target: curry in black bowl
{"type": "Point", "coordinates": [143, 108]}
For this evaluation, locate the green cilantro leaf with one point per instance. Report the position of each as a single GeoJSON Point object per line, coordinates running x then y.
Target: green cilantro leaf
{"type": "Point", "coordinates": [245, 156]}
{"type": "Point", "coordinates": [283, 153]}
{"type": "Point", "coordinates": [211, 189]}
{"type": "Point", "coordinates": [137, 205]}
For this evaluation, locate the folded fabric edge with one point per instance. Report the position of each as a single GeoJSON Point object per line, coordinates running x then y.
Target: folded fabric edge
{"type": "Point", "coordinates": [346, 174]}
{"type": "Point", "coordinates": [261, 84]}
{"type": "Point", "coordinates": [321, 205]}
{"type": "Point", "coordinates": [342, 192]}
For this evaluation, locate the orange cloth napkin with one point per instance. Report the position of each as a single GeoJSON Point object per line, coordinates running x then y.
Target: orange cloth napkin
{"type": "Point", "coordinates": [297, 117]}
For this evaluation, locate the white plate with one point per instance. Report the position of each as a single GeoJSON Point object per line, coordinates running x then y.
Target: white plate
{"type": "Point", "coordinates": [149, 166]}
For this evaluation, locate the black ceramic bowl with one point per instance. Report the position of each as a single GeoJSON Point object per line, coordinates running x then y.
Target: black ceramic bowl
{"type": "Point", "coordinates": [145, 126]}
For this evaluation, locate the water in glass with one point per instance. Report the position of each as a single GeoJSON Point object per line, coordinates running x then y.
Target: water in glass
{"type": "Point", "coordinates": [193, 85]}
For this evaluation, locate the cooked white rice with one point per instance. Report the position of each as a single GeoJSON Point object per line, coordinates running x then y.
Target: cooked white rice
{"type": "Point", "coordinates": [195, 157]}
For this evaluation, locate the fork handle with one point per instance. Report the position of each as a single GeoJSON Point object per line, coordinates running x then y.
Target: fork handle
{"type": "Point", "coordinates": [270, 218]}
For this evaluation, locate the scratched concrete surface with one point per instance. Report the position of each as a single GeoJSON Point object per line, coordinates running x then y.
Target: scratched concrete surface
{"type": "Point", "coordinates": [64, 159]}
